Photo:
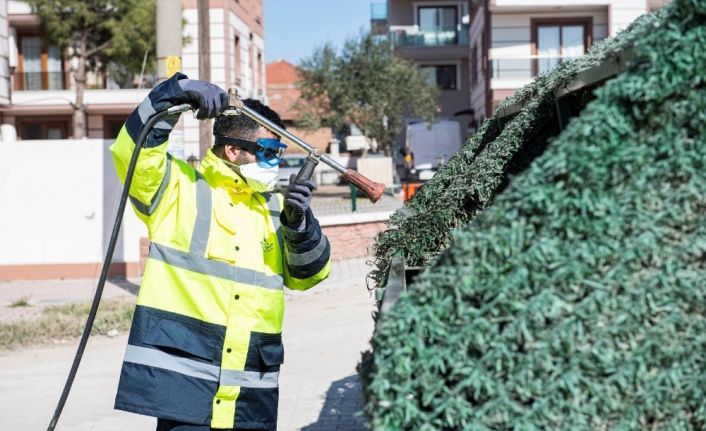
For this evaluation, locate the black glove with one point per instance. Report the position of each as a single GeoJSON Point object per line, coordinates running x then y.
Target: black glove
{"type": "Point", "coordinates": [209, 100]}
{"type": "Point", "coordinates": [297, 200]}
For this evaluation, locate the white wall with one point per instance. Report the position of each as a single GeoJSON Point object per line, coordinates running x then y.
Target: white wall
{"type": "Point", "coordinates": [58, 200]}
{"type": "Point", "coordinates": [623, 12]}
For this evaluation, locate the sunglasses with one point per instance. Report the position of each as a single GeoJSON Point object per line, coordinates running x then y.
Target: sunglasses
{"type": "Point", "coordinates": [267, 150]}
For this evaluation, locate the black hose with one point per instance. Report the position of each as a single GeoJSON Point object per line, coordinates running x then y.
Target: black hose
{"type": "Point", "coordinates": [106, 265]}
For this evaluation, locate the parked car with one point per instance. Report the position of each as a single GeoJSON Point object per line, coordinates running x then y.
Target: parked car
{"type": "Point", "coordinates": [291, 164]}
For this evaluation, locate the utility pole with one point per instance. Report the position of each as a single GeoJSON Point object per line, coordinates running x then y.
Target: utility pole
{"type": "Point", "coordinates": [168, 38]}
{"type": "Point", "coordinates": [204, 70]}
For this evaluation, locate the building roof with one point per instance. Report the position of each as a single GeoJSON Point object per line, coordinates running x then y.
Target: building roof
{"type": "Point", "coordinates": [281, 72]}
{"type": "Point", "coordinates": [282, 92]}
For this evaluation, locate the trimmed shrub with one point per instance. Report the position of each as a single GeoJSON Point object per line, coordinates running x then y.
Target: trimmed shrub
{"type": "Point", "coordinates": [467, 184]}
{"type": "Point", "coordinates": [577, 301]}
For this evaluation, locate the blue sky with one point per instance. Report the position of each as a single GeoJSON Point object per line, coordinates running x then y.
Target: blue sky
{"type": "Point", "coordinates": [293, 28]}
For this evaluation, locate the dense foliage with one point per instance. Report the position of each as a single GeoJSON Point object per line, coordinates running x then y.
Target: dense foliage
{"type": "Point", "coordinates": [578, 299]}
{"type": "Point", "coordinates": [99, 34]}
{"type": "Point", "coordinates": [467, 184]}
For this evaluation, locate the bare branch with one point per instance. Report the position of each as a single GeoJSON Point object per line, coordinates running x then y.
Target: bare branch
{"type": "Point", "coordinates": [99, 48]}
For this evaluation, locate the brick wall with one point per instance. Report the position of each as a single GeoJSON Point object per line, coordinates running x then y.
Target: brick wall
{"type": "Point", "coordinates": [353, 240]}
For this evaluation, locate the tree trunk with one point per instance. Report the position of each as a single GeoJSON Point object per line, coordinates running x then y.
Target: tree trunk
{"type": "Point", "coordinates": [79, 120]}
{"type": "Point", "coordinates": [386, 149]}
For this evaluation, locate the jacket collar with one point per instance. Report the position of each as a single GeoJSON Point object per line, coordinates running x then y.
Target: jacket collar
{"type": "Point", "coordinates": [219, 174]}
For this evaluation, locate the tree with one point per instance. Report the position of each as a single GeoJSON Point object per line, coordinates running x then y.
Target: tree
{"type": "Point", "coordinates": [96, 34]}
{"type": "Point", "coordinates": [366, 85]}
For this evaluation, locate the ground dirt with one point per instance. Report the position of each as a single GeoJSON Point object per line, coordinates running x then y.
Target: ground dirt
{"type": "Point", "coordinates": [325, 331]}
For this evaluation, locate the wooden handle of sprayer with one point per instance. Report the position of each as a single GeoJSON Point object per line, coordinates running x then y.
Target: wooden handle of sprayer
{"type": "Point", "coordinates": [371, 189]}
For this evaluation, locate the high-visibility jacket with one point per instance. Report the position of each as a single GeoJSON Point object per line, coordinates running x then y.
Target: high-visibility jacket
{"type": "Point", "coordinates": [205, 345]}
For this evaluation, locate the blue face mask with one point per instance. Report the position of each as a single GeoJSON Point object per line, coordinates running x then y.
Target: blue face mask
{"type": "Point", "coordinates": [268, 151]}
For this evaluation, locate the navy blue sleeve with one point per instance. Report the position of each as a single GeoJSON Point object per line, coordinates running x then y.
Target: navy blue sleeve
{"type": "Point", "coordinates": [307, 251]}
{"type": "Point", "coordinates": [163, 96]}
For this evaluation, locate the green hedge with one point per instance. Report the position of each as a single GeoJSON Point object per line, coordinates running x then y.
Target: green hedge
{"type": "Point", "coordinates": [577, 301]}
{"type": "Point", "coordinates": [467, 184]}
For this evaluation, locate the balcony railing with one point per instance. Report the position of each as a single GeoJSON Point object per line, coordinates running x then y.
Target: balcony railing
{"type": "Point", "coordinates": [32, 81]}
{"type": "Point", "coordinates": [524, 67]}
{"type": "Point", "coordinates": [378, 11]}
{"type": "Point", "coordinates": [412, 35]}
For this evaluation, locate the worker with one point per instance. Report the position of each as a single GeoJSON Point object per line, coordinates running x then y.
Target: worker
{"type": "Point", "coordinates": [205, 347]}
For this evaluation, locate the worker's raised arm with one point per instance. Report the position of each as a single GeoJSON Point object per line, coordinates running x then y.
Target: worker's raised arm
{"type": "Point", "coordinates": [152, 174]}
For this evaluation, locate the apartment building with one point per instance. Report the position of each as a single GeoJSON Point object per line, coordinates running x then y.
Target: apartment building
{"type": "Point", "coordinates": [37, 90]}
{"type": "Point", "coordinates": [511, 41]}
{"type": "Point", "coordinates": [434, 34]}
{"type": "Point", "coordinates": [237, 45]}
{"type": "Point", "coordinates": [38, 87]}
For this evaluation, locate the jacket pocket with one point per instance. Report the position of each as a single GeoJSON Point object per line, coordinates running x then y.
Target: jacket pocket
{"type": "Point", "coordinates": [177, 335]}
{"type": "Point", "coordinates": [271, 350]}
{"type": "Point", "coordinates": [221, 245]}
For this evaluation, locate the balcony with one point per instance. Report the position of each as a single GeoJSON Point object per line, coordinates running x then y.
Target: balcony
{"type": "Point", "coordinates": [517, 71]}
{"type": "Point", "coordinates": [59, 102]}
{"type": "Point", "coordinates": [413, 36]}
{"type": "Point", "coordinates": [35, 81]}
{"type": "Point", "coordinates": [378, 11]}
{"type": "Point", "coordinates": [378, 19]}
{"type": "Point", "coordinates": [521, 67]}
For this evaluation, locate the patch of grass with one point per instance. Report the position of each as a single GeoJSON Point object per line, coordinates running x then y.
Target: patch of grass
{"type": "Point", "coordinates": [22, 302]}
{"type": "Point", "coordinates": [66, 321]}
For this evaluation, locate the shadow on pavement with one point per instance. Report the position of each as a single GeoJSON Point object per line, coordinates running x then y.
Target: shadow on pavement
{"type": "Point", "coordinates": [125, 284]}
{"type": "Point", "coordinates": [343, 408]}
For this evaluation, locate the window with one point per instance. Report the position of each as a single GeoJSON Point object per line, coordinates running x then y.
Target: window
{"type": "Point", "coordinates": [251, 63]}
{"type": "Point", "coordinates": [555, 40]}
{"type": "Point", "coordinates": [443, 75]}
{"type": "Point", "coordinates": [112, 125]}
{"type": "Point", "coordinates": [40, 67]}
{"type": "Point", "coordinates": [44, 128]}
{"type": "Point", "coordinates": [258, 72]}
{"type": "Point", "coordinates": [55, 77]}
{"type": "Point", "coordinates": [474, 65]}
{"type": "Point", "coordinates": [238, 66]}
{"type": "Point", "coordinates": [31, 49]}
{"type": "Point", "coordinates": [438, 25]}
{"type": "Point", "coordinates": [442, 18]}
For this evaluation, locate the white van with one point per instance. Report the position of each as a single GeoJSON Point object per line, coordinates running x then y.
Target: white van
{"type": "Point", "coordinates": [433, 146]}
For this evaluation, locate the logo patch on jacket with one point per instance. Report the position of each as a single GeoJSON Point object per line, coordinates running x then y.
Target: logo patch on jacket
{"type": "Point", "coordinates": [266, 246]}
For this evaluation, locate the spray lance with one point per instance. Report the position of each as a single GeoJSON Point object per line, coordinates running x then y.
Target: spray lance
{"type": "Point", "coordinates": [371, 189]}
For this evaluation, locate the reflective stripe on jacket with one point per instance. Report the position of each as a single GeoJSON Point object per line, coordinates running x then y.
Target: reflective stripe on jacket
{"type": "Point", "coordinates": [205, 345]}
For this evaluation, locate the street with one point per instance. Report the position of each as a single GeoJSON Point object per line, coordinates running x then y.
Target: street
{"type": "Point", "coordinates": [325, 331]}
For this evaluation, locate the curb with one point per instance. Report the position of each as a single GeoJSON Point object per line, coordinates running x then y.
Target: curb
{"type": "Point", "coordinates": [354, 218]}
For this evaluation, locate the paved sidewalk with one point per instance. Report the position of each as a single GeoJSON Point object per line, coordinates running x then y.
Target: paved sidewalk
{"type": "Point", "coordinates": [329, 200]}
{"type": "Point", "coordinates": [326, 328]}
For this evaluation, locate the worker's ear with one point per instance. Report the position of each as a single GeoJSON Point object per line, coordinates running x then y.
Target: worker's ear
{"type": "Point", "coordinates": [231, 152]}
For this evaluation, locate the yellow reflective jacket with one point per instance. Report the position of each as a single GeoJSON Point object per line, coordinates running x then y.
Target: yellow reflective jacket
{"type": "Point", "coordinates": [205, 345]}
